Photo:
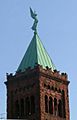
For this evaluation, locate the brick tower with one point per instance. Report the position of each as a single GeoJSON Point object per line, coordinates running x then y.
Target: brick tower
{"type": "Point", "coordinates": [37, 91]}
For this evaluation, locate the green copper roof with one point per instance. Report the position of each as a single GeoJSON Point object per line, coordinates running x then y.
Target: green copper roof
{"type": "Point", "coordinates": [36, 54]}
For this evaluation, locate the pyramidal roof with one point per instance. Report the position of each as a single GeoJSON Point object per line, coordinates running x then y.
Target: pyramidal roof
{"type": "Point", "coordinates": [36, 54]}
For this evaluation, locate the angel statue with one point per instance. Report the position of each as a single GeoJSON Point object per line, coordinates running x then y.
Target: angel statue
{"type": "Point", "coordinates": [34, 16]}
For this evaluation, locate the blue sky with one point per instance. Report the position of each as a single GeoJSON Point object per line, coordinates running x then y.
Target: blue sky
{"type": "Point", "coordinates": [57, 29]}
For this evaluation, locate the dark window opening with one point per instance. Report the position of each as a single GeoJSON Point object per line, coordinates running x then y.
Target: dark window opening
{"type": "Point", "coordinates": [32, 104]}
{"type": "Point", "coordinates": [55, 106]}
{"type": "Point", "coordinates": [52, 88]}
{"type": "Point", "coordinates": [63, 102]}
{"type": "Point", "coordinates": [12, 103]}
{"type": "Point", "coordinates": [27, 106]}
{"type": "Point", "coordinates": [16, 109]}
{"type": "Point", "coordinates": [22, 107]}
{"type": "Point", "coordinates": [50, 105]}
{"type": "Point", "coordinates": [48, 87]}
{"type": "Point", "coordinates": [59, 90]}
{"type": "Point", "coordinates": [55, 89]}
{"type": "Point", "coordinates": [44, 85]}
{"type": "Point", "coordinates": [46, 103]}
{"type": "Point", "coordinates": [60, 108]}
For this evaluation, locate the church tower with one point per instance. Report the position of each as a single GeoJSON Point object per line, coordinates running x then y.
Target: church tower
{"type": "Point", "coordinates": [37, 91]}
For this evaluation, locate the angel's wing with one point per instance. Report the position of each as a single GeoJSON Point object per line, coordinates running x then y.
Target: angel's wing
{"type": "Point", "coordinates": [32, 13]}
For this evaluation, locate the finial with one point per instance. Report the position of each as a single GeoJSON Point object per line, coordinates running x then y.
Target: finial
{"type": "Point", "coordinates": [34, 16]}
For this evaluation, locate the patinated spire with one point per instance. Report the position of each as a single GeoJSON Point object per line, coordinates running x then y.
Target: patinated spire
{"type": "Point", "coordinates": [36, 52]}
{"type": "Point", "coordinates": [34, 16]}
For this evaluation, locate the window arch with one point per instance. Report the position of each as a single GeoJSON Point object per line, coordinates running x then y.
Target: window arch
{"type": "Point", "coordinates": [55, 106]}
{"type": "Point", "coordinates": [50, 105]}
{"type": "Point", "coordinates": [46, 103]}
{"type": "Point", "coordinates": [60, 108]}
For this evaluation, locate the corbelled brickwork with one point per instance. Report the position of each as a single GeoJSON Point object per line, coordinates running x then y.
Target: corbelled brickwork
{"type": "Point", "coordinates": [52, 84]}
{"type": "Point", "coordinates": [38, 94]}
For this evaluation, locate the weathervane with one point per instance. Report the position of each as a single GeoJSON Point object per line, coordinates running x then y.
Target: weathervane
{"type": "Point", "coordinates": [34, 16]}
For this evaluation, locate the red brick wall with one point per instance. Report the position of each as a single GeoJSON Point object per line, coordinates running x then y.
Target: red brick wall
{"type": "Point", "coordinates": [37, 82]}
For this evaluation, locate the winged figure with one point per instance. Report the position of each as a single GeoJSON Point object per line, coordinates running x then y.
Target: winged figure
{"type": "Point", "coordinates": [34, 16]}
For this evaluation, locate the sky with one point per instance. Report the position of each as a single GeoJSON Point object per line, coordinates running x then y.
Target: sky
{"type": "Point", "coordinates": [57, 29]}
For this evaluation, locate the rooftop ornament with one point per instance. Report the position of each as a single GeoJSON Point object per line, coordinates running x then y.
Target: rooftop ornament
{"type": "Point", "coordinates": [34, 16]}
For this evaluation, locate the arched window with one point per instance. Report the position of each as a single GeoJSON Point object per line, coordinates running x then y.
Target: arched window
{"type": "Point", "coordinates": [46, 103]}
{"type": "Point", "coordinates": [22, 107]}
{"type": "Point", "coordinates": [60, 108]}
{"type": "Point", "coordinates": [55, 106]}
{"type": "Point", "coordinates": [27, 106]}
{"type": "Point", "coordinates": [32, 104]}
{"type": "Point", "coordinates": [16, 109]}
{"type": "Point", "coordinates": [50, 105]}
{"type": "Point", "coordinates": [63, 102]}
